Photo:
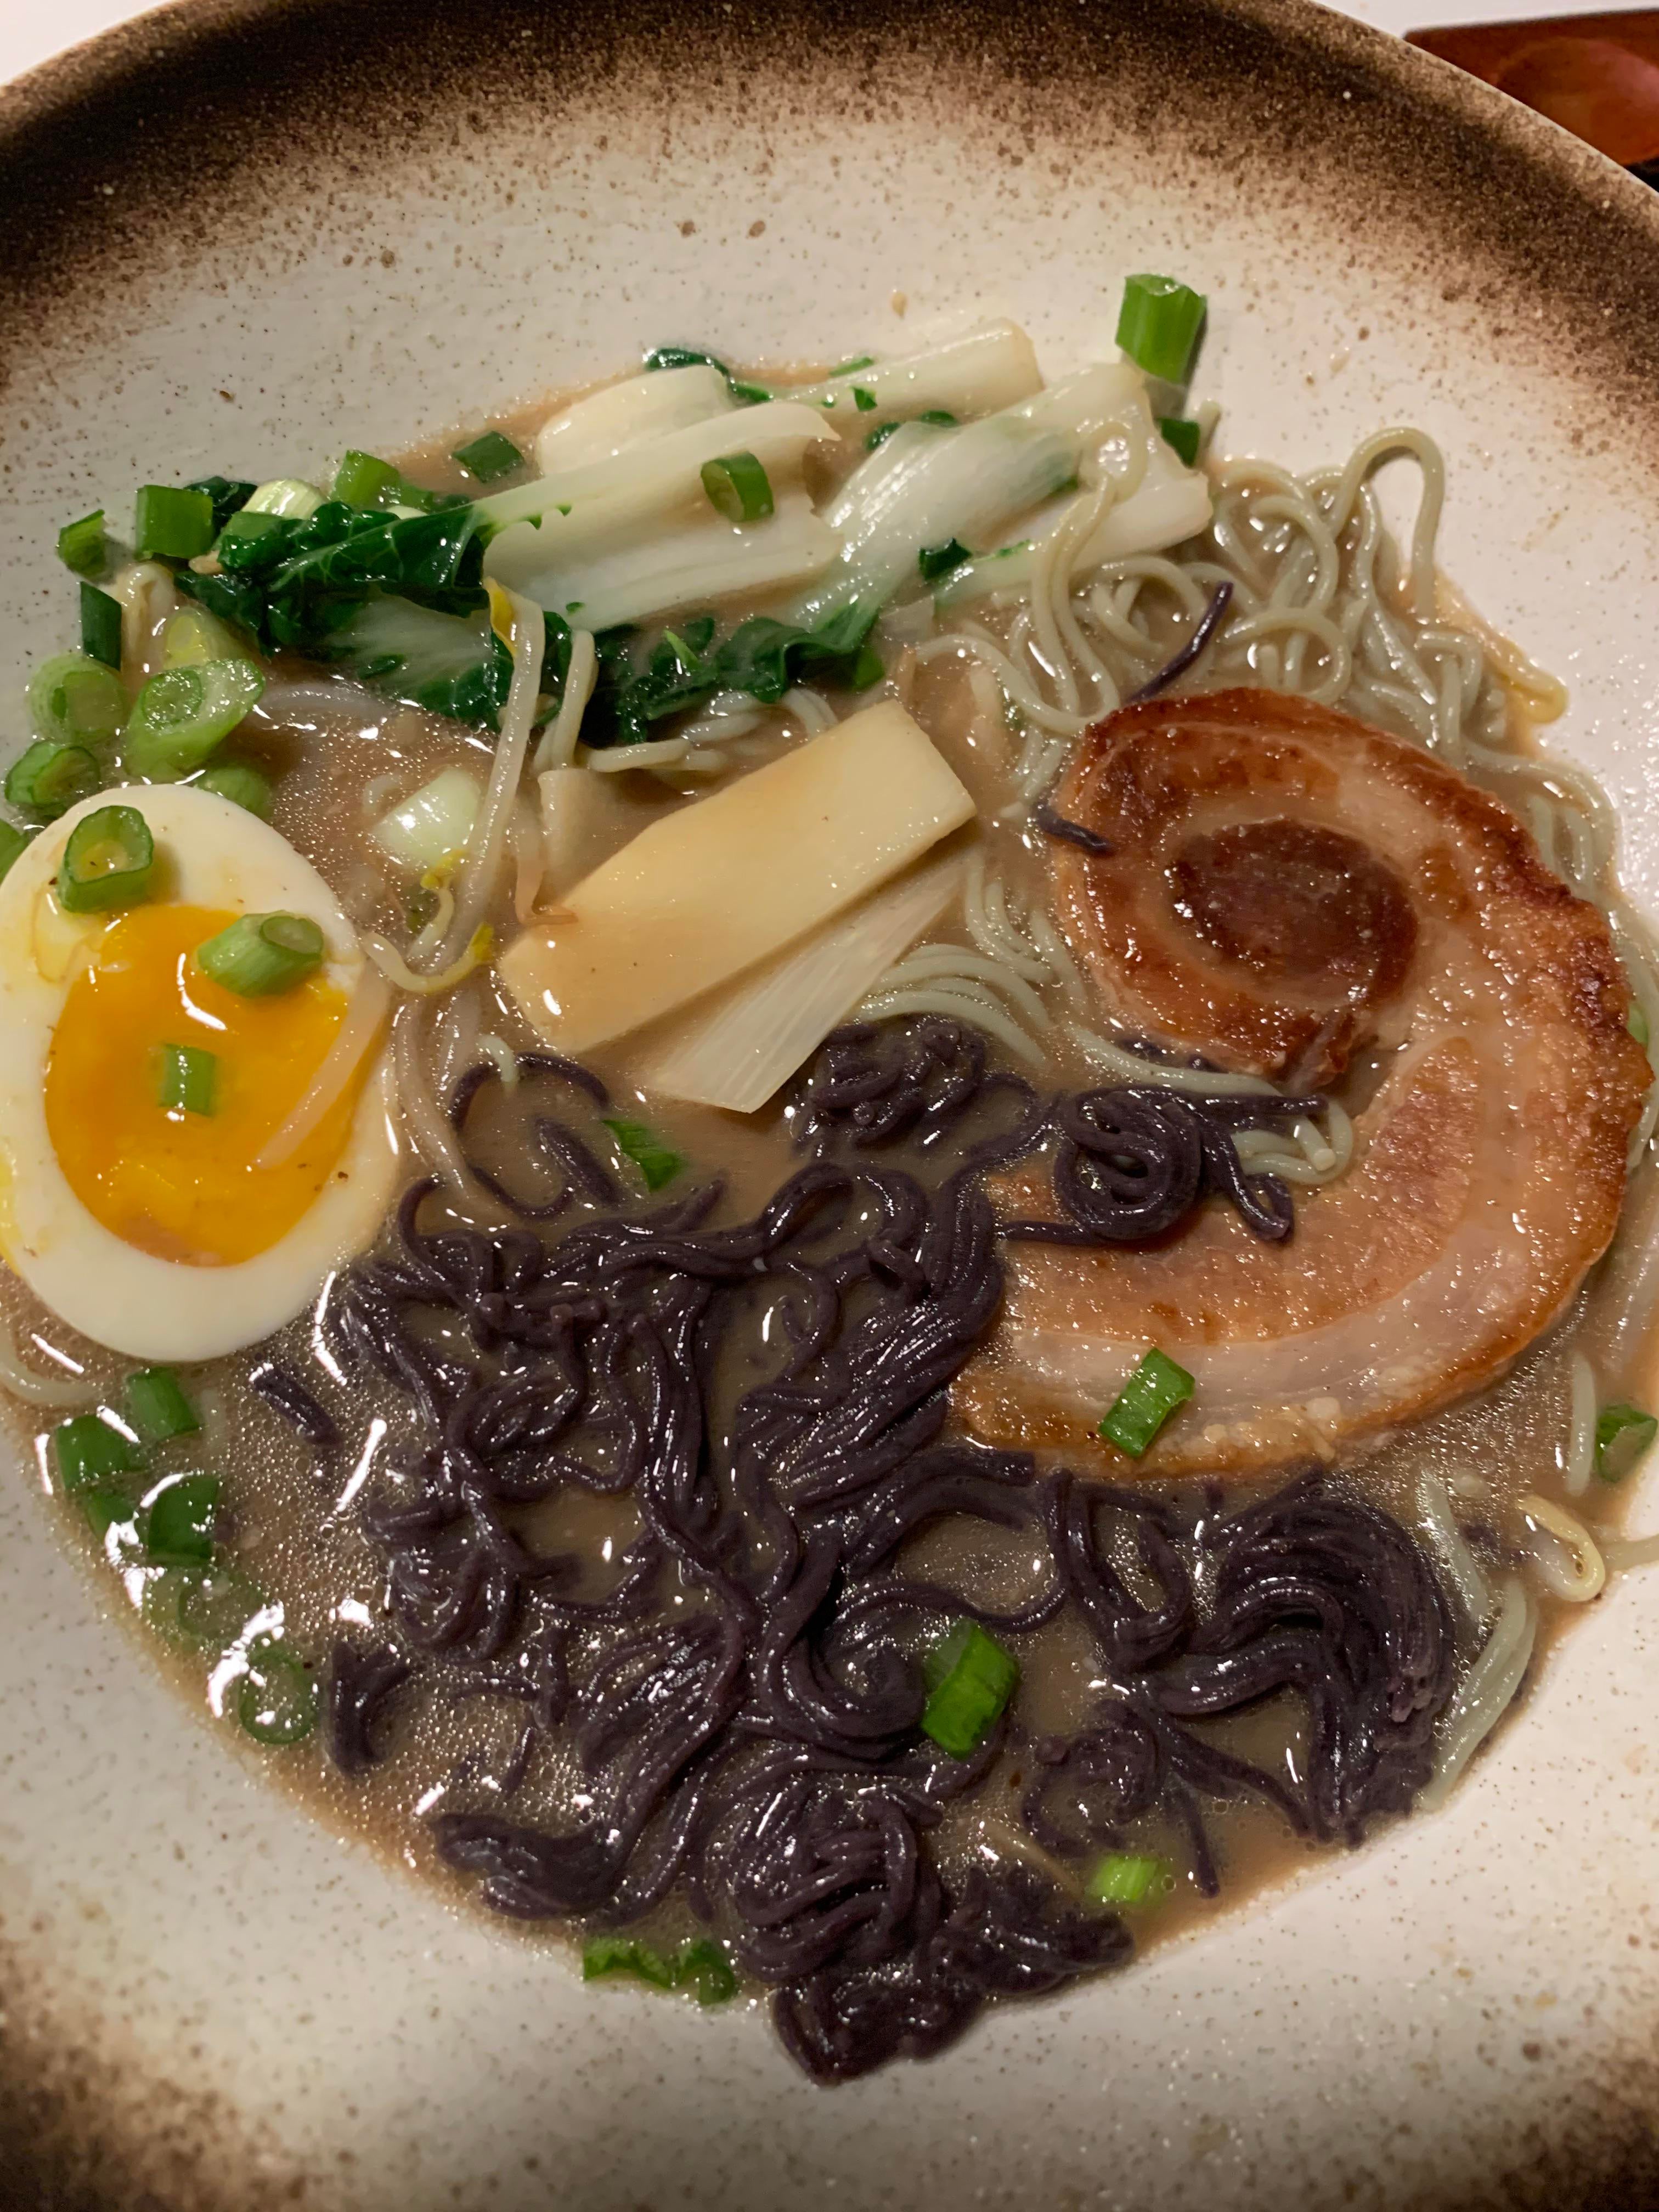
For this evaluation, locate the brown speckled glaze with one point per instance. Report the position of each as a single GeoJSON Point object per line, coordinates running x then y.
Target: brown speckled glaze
{"type": "Point", "coordinates": [242, 235]}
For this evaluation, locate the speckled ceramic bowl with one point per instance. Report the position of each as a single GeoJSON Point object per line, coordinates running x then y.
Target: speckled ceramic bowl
{"type": "Point", "coordinates": [249, 233]}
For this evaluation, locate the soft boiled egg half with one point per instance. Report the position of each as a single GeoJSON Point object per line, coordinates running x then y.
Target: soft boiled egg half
{"type": "Point", "coordinates": [150, 1190]}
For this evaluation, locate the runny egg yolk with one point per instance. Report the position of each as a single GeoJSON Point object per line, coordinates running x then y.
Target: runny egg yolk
{"type": "Point", "coordinates": [180, 1184]}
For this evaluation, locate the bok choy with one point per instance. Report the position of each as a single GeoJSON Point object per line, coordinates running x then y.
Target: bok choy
{"type": "Point", "coordinates": [630, 414]}
{"type": "Point", "coordinates": [975, 374]}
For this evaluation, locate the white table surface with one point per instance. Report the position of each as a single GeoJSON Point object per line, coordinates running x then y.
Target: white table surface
{"type": "Point", "coordinates": [32, 30]}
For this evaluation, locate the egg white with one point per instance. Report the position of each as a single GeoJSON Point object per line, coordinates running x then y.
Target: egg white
{"type": "Point", "coordinates": [211, 853]}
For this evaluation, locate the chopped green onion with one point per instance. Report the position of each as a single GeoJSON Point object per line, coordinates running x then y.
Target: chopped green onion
{"type": "Point", "coordinates": [14, 843]}
{"type": "Point", "coordinates": [1158, 326]}
{"type": "Point", "coordinates": [242, 783]}
{"type": "Point", "coordinates": [187, 1079]}
{"type": "Point", "coordinates": [625, 1954]}
{"type": "Point", "coordinates": [290, 499]}
{"type": "Point", "coordinates": [193, 637]}
{"type": "Point", "coordinates": [863, 400]}
{"type": "Point", "coordinates": [108, 863]}
{"type": "Point", "coordinates": [183, 713]}
{"type": "Point", "coordinates": [940, 417]}
{"type": "Point", "coordinates": [277, 1701]}
{"type": "Point", "coordinates": [937, 560]}
{"type": "Point", "coordinates": [157, 1406]}
{"type": "Point", "coordinates": [880, 435]}
{"type": "Point", "coordinates": [46, 779]}
{"type": "Point", "coordinates": [1145, 1402]}
{"type": "Point", "coordinates": [88, 1450]}
{"type": "Point", "coordinates": [489, 458]}
{"type": "Point", "coordinates": [1181, 435]}
{"type": "Point", "coordinates": [174, 524]}
{"type": "Point", "coordinates": [1124, 1878]}
{"type": "Point", "coordinates": [82, 546]}
{"type": "Point", "coordinates": [751, 395]}
{"type": "Point", "coordinates": [262, 954]}
{"type": "Point", "coordinates": [704, 1964]}
{"type": "Point", "coordinates": [657, 1161]}
{"type": "Point", "coordinates": [207, 1605]}
{"type": "Point", "coordinates": [178, 1524]}
{"type": "Point", "coordinates": [108, 1505]}
{"type": "Point", "coordinates": [862, 360]}
{"type": "Point", "coordinates": [737, 487]}
{"type": "Point", "coordinates": [969, 1678]}
{"type": "Point", "coordinates": [1637, 1023]}
{"type": "Point", "coordinates": [684, 358]}
{"type": "Point", "coordinates": [251, 540]}
{"type": "Point", "coordinates": [364, 480]}
{"type": "Point", "coordinates": [100, 626]}
{"type": "Point", "coordinates": [1623, 1434]}
{"type": "Point", "coordinates": [76, 701]}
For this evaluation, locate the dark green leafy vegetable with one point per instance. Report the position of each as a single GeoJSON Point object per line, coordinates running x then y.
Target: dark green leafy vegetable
{"type": "Point", "coordinates": [657, 1161]}
{"type": "Point", "coordinates": [187, 1079]}
{"type": "Point", "coordinates": [276, 1699]}
{"type": "Point", "coordinates": [749, 395]}
{"type": "Point", "coordinates": [937, 560]}
{"type": "Point", "coordinates": [157, 1405]}
{"type": "Point", "coordinates": [100, 626]}
{"type": "Point", "coordinates": [226, 495]}
{"type": "Point", "coordinates": [489, 458]}
{"type": "Point", "coordinates": [1181, 435]}
{"type": "Point", "coordinates": [1158, 324]}
{"type": "Point", "coordinates": [701, 1964]}
{"type": "Point", "coordinates": [864, 401]}
{"type": "Point", "coordinates": [177, 1526]}
{"type": "Point", "coordinates": [82, 546]}
{"type": "Point", "coordinates": [762, 656]}
{"type": "Point", "coordinates": [1623, 1434]}
{"type": "Point", "coordinates": [173, 523]}
{"type": "Point", "coordinates": [46, 779]}
{"type": "Point", "coordinates": [970, 1679]}
{"type": "Point", "coordinates": [1145, 1402]}
{"type": "Point", "coordinates": [87, 1450]}
{"type": "Point", "coordinates": [108, 862]}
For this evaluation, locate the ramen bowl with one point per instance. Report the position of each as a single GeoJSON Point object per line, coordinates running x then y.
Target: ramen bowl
{"type": "Point", "coordinates": [245, 235]}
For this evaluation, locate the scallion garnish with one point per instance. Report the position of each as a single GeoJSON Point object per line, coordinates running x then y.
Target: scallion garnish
{"type": "Point", "coordinates": [171, 523]}
{"type": "Point", "coordinates": [46, 779]}
{"type": "Point", "coordinates": [364, 480]}
{"type": "Point", "coordinates": [242, 783]}
{"type": "Point", "coordinates": [14, 843]}
{"type": "Point", "coordinates": [879, 435]}
{"type": "Point", "coordinates": [76, 701]}
{"type": "Point", "coordinates": [108, 862]}
{"type": "Point", "coordinates": [1145, 1402]}
{"type": "Point", "coordinates": [100, 626]}
{"type": "Point", "coordinates": [658, 1162]}
{"type": "Point", "coordinates": [859, 360]}
{"type": "Point", "coordinates": [864, 400]}
{"type": "Point", "coordinates": [183, 713]}
{"type": "Point", "coordinates": [1623, 1434]}
{"type": "Point", "coordinates": [261, 954]}
{"type": "Point", "coordinates": [700, 1963]}
{"type": "Point", "coordinates": [1182, 435]}
{"type": "Point", "coordinates": [672, 356]}
{"type": "Point", "coordinates": [737, 487]}
{"type": "Point", "coordinates": [212, 1606]}
{"type": "Point", "coordinates": [277, 1701]}
{"type": "Point", "coordinates": [252, 540]}
{"type": "Point", "coordinates": [193, 637]}
{"type": "Point", "coordinates": [937, 560]}
{"type": "Point", "coordinates": [178, 1524]}
{"type": "Point", "coordinates": [1158, 326]}
{"type": "Point", "coordinates": [1125, 1878]}
{"type": "Point", "coordinates": [940, 417]}
{"type": "Point", "coordinates": [157, 1406]}
{"type": "Point", "coordinates": [186, 1079]}
{"type": "Point", "coordinates": [1637, 1023]}
{"type": "Point", "coordinates": [87, 1450]}
{"type": "Point", "coordinates": [970, 1679]}
{"type": "Point", "coordinates": [488, 458]}
{"type": "Point", "coordinates": [82, 546]}
{"type": "Point", "coordinates": [107, 1505]}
